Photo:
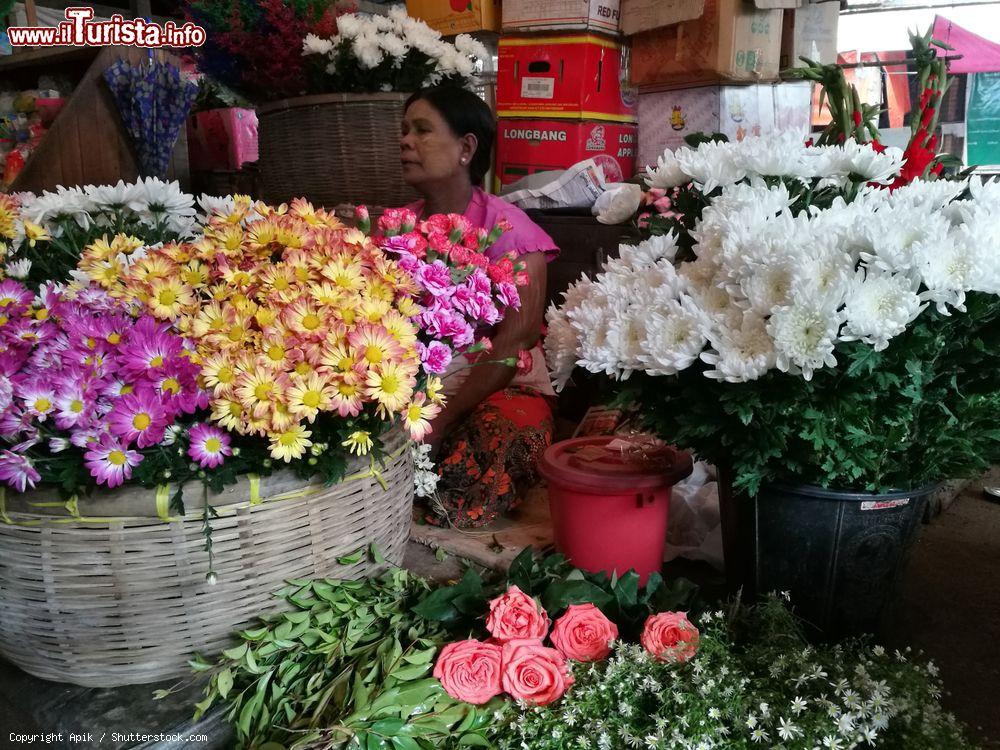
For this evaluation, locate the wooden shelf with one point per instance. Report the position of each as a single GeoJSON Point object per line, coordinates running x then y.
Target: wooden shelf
{"type": "Point", "coordinates": [87, 143]}
{"type": "Point", "coordinates": [45, 56]}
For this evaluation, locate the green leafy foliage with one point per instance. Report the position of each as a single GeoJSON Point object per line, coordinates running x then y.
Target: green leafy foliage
{"type": "Point", "coordinates": [347, 666]}
{"type": "Point", "coordinates": [557, 584]}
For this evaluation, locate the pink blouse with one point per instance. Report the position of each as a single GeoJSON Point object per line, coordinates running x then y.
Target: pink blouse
{"type": "Point", "coordinates": [523, 237]}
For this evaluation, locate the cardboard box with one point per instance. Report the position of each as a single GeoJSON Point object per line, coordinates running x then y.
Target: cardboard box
{"type": "Point", "coordinates": [569, 75]}
{"type": "Point", "coordinates": [586, 15]}
{"type": "Point", "coordinates": [528, 146]}
{"type": "Point", "coordinates": [697, 42]}
{"type": "Point", "coordinates": [222, 138]}
{"type": "Point", "coordinates": [457, 16]}
{"type": "Point", "coordinates": [810, 31]}
{"type": "Point", "coordinates": [667, 117]}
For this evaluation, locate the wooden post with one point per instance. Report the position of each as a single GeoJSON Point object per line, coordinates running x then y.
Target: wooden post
{"type": "Point", "coordinates": [31, 12]}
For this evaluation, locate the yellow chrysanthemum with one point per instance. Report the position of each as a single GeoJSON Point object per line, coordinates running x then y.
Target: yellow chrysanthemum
{"type": "Point", "coordinates": [218, 373]}
{"type": "Point", "coordinates": [211, 318]}
{"type": "Point", "coordinates": [258, 391]}
{"type": "Point", "coordinates": [346, 274]}
{"type": "Point", "coordinates": [151, 268]}
{"type": "Point", "coordinates": [374, 345]}
{"type": "Point", "coordinates": [390, 385]}
{"type": "Point", "coordinates": [195, 274]}
{"type": "Point", "coordinates": [359, 442]}
{"type": "Point", "coordinates": [407, 307]}
{"type": "Point", "coordinates": [305, 319]}
{"type": "Point", "coordinates": [435, 390]}
{"type": "Point", "coordinates": [34, 233]}
{"type": "Point", "coordinates": [107, 273]}
{"type": "Point", "coordinates": [309, 396]}
{"type": "Point", "coordinates": [168, 298]}
{"type": "Point", "coordinates": [291, 443]}
{"type": "Point", "coordinates": [418, 415]}
{"type": "Point", "coordinates": [228, 412]}
{"type": "Point", "coordinates": [400, 328]}
{"type": "Point", "coordinates": [373, 310]}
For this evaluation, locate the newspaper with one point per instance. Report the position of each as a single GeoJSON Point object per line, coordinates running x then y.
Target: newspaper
{"type": "Point", "coordinates": [578, 186]}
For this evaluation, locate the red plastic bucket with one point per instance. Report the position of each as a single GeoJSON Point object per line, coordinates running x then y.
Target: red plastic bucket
{"type": "Point", "coordinates": [609, 498]}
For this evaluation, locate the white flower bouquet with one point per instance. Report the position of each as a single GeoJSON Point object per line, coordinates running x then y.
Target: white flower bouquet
{"type": "Point", "coordinates": [801, 321]}
{"type": "Point", "coordinates": [389, 53]}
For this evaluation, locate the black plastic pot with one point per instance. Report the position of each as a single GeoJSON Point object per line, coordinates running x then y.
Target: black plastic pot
{"type": "Point", "coordinates": [840, 555]}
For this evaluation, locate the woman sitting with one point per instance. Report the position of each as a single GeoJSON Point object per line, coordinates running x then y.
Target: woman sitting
{"type": "Point", "coordinates": [497, 422]}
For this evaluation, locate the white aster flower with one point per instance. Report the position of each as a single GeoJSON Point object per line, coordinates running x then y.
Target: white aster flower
{"type": "Point", "coordinates": [787, 730]}
{"type": "Point", "coordinates": [18, 269]}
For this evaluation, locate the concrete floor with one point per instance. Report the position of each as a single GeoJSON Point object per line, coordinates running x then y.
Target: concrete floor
{"type": "Point", "coordinates": [950, 608]}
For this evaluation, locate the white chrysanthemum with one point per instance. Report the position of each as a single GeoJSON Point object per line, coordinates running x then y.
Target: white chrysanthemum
{"type": "Point", "coordinates": [675, 335]}
{"type": "Point", "coordinates": [592, 321]}
{"type": "Point", "coordinates": [948, 271]}
{"type": "Point", "coordinates": [648, 252]}
{"type": "Point", "coordinates": [769, 286]}
{"type": "Point", "coordinates": [472, 47]}
{"type": "Point", "coordinates": [393, 46]}
{"type": "Point", "coordinates": [782, 155]}
{"type": "Point", "coordinates": [860, 159]}
{"type": "Point", "coordinates": [349, 26]}
{"type": "Point", "coordinates": [366, 48]}
{"type": "Point", "coordinates": [742, 353]}
{"type": "Point", "coordinates": [627, 335]}
{"type": "Point", "coordinates": [65, 203]}
{"type": "Point", "coordinates": [667, 174]}
{"type": "Point", "coordinates": [105, 197]}
{"type": "Point", "coordinates": [712, 164]}
{"type": "Point", "coordinates": [880, 307]}
{"type": "Point", "coordinates": [824, 273]}
{"type": "Point", "coordinates": [18, 269]}
{"type": "Point", "coordinates": [756, 195]}
{"type": "Point", "coordinates": [561, 343]}
{"type": "Point", "coordinates": [314, 45]}
{"type": "Point", "coordinates": [804, 336]}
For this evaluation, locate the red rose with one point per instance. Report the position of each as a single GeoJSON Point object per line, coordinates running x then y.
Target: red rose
{"type": "Point", "coordinates": [533, 673]}
{"type": "Point", "coordinates": [516, 615]}
{"type": "Point", "coordinates": [469, 671]}
{"type": "Point", "coordinates": [583, 633]}
{"type": "Point", "coordinates": [670, 636]}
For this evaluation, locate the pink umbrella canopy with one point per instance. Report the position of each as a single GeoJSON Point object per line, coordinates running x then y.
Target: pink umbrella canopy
{"type": "Point", "coordinates": [978, 55]}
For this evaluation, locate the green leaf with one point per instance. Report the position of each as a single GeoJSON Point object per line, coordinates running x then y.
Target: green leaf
{"type": "Point", "coordinates": [224, 682]}
{"type": "Point", "coordinates": [375, 554]}
{"type": "Point", "coordinates": [440, 554]}
{"type": "Point", "coordinates": [387, 727]}
{"type": "Point", "coordinates": [352, 558]}
{"type": "Point", "coordinates": [519, 572]}
{"type": "Point", "coordinates": [560, 595]}
{"type": "Point", "coordinates": [473, 740]}
{"type": "Point", "coordinates": [237, 652]}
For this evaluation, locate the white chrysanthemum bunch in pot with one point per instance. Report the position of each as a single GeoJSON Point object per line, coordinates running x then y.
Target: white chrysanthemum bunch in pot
{"type": "Point", "coordinates": [799, 321]}
{"type": "Point", "coordinates": [389, 53]}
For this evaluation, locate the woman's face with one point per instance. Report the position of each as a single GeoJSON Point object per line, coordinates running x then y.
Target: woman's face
{"type": "Point", "coordinates": [429, 151]}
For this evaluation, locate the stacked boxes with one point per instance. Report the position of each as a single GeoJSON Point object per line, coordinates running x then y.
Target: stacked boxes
{"type": "Point", "coordinates": [560, 98]}
{"type": "Point", "coordinates": [457, 16]}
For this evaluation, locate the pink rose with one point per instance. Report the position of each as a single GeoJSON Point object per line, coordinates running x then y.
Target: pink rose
{"type": "Point", "coordinates": [533, 673]}
{"type": "Point", "coordinates": [435, 357]}
{"type": "Point", "coordinates": [436, 279]}
{"type": "Point", "coordinates": [469, 671]}
{"type": "Point", "coordinates": [670, 636]}
{"type": "Point", "coordinates": [583, 633]}
{"type": "Point", "coordinates": [515, 615]}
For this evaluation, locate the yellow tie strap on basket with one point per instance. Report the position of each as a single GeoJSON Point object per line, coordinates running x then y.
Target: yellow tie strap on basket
{"type": "Point", "coordinates": [162, 494]}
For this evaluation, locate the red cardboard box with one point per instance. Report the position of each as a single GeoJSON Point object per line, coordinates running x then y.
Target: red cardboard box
{"type": "Point", "coordinates": [528, 146]}
{"type": "Point", "coordinates": [457, 16]}
{"type": "Point", "coordinates": [577, 76]}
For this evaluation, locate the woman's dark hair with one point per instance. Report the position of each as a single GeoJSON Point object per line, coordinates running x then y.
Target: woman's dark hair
{"type": "Point", "coordinates": [465, 113]}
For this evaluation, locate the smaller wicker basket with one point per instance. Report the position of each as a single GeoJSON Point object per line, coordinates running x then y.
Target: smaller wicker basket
{"type": "Point", "coordinates": [333, 149]}
{"type": "Point", "coordinates": [120, 597]}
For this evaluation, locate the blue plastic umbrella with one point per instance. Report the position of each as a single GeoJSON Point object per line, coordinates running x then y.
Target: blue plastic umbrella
{"type": "Point", "coordinates": [154, 101]}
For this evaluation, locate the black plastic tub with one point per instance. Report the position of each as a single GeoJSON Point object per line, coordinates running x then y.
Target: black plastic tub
{"type": "Point", "coordinates": [839, 555]}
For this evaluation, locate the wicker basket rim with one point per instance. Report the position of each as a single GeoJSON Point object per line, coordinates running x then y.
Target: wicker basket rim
{"type": "Point", "coordinates": [314, 99]}
{"type": "Point", "coordinates": [145, 503]}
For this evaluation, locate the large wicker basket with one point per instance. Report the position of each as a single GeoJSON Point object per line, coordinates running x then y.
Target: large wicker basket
{"type": "Point", "coordinates": [119, 595]}
{"type": "Point", "coordinates": [333, 149]}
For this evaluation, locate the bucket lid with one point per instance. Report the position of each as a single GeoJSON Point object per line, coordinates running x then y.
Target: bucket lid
{"type": "Point", "coordinates": [615, 462]}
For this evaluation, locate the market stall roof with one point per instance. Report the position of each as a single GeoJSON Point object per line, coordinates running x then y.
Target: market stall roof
{"type": "Point", "coordinates": [978, 55]}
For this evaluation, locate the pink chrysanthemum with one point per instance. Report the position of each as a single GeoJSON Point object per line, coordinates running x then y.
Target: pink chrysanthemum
{"type": "Point", "coordinates": [209, 446]}
{"type": "Point", "coordinates": [17, 471]}
{"type": "Point", "coordinates": [110, 462]}
{"type": "Point", "coordinates": [138, 417]}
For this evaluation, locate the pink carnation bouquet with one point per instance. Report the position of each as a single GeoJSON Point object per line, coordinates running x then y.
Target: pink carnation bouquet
{"type": "Point", "coordinates": [463, 293]}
